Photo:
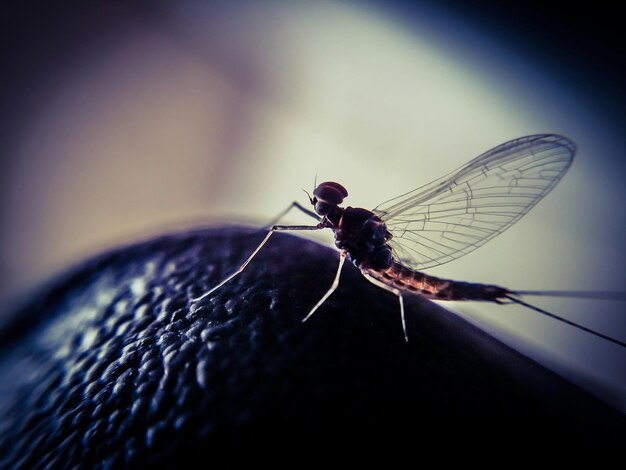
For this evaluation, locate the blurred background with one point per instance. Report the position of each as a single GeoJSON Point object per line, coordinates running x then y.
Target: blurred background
{"type": "Point", "coordinates": [124, 121]}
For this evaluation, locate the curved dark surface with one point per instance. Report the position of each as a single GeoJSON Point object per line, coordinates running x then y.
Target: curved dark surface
{"type": "Point", "coordinates": [112, 367]}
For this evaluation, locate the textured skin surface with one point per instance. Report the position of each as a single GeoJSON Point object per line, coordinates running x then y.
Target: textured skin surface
{"type": "Point", "coordinates": [112, 367]}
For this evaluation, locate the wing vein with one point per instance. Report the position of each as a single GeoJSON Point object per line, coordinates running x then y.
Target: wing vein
{"type": "Point", "coordinates": [456, 214]}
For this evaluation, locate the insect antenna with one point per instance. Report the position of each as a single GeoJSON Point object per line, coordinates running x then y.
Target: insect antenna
{"type": "Point", "coordinates": [561, 319]}
{"type": "Point", "coordinates": [308, 195]}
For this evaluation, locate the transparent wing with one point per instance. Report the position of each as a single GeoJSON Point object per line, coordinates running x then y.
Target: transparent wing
{"type": "Point", "coordinates": [456, 214]}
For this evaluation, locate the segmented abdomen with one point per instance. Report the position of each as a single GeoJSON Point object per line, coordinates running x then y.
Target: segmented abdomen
{"type": "Point", "coordinates": [435, 288]}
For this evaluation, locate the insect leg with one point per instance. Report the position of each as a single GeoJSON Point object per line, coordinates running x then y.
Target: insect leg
{"type": "Point", "coordinates": [382, 285]}
{"type": "Point", "coordinates": [334, 285]}
{"type": "Point", "coordinates": [275, 228]}
{"type": "Point", "coordinates": [291, 206]}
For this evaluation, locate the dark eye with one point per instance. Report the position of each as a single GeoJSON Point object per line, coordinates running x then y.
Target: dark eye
{"type": "Point", "coordinates": [330, 192]}
{"type": "Point", "coordinates": [322, 208]}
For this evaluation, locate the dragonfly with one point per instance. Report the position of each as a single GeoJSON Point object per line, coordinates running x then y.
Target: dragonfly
{"type": "Point", "coordinates": [438, 223]}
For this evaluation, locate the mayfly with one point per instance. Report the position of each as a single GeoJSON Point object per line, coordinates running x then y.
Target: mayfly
{"type": "Point", "coordinates": [439, 222]}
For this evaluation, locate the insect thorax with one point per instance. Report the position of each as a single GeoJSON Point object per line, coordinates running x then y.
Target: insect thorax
{"type": "Point", "coordinates": [364, 237]}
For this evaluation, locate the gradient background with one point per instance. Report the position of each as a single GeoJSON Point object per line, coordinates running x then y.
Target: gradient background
{"type": "Point", "coordinates": [123, 122]}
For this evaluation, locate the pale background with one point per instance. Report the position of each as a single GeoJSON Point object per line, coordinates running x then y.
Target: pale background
{"type": "Point", "coordinates": [199, 113]}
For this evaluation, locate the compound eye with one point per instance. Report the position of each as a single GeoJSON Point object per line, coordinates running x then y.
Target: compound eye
{"type": "Point", "coordinates": [322, 208]}
{"type": "Point", "coordinates": [330, 192]}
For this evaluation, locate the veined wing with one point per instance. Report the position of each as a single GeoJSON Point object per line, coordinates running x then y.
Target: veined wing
{"type": "Point", "coordinates": [454, 215]}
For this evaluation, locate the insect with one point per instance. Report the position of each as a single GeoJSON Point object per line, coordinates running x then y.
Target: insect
{"type": "Point", "coordinates": [440, 222]}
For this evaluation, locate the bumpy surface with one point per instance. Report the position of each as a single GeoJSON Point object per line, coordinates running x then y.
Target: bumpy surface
{"type": "Point", "coordinates": [111, 366]}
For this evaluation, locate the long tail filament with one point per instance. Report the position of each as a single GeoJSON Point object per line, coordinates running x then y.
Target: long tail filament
{"type": "Point", "coordinates": [556, 317]}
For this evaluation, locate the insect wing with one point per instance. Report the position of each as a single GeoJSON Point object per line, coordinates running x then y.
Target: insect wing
{"type": "Point", "coordinates": [454, 215]}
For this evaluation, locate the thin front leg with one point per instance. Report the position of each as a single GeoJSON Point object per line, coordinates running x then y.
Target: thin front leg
{"type": "Point", "coordinates": [334, 285]}
{"type": "Point", "coordinates": [291, 206]}
{"type": "Point", "coordinates": [382, 285]}
{"type": "Point", "coordinates": [275, 228]}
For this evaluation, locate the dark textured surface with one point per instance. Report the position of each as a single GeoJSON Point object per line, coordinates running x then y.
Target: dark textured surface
{"type": "Point", "coordinates": [111, 366]}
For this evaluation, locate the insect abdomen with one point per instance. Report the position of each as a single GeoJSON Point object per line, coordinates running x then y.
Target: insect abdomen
{"type": "Point", "coordinates": [435, 288]}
